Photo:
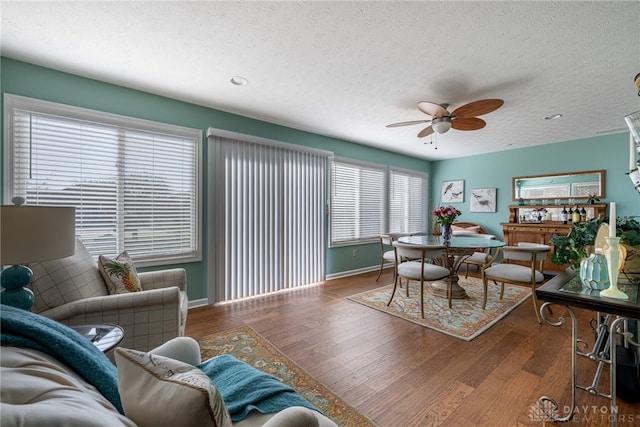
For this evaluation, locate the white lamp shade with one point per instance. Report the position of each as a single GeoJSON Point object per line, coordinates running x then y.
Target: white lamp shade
{"type": "Point", "coordinates": [36, 233]}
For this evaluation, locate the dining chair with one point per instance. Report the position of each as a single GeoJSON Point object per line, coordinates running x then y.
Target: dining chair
{"type": "Point", "coordinates": [386, 255]}
{"type": "Point", "coordinates": [480, 257]}
{"type": "Point", "coordinates": [386, 251]}
{"type": "Point", "coordinates": [531, 275]}
{"type": "Point", "coordinates": [420, 269]}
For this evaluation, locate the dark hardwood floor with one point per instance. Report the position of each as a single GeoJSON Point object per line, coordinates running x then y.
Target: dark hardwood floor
{"type": "Point", "coordinates": [401, 374]}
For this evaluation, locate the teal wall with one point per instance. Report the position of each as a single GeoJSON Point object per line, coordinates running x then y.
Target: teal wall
{"type": "Point", "coordinates": [20, 78]}
{"type": "Point", "coordinates": [495, 170]}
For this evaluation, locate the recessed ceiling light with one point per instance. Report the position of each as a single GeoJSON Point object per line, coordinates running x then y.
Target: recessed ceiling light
{"type": "Point", "coordinates": [238, 81]}
{"type": "Point", "coordinates": [553, 117]}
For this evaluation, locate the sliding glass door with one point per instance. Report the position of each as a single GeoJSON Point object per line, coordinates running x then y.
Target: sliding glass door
{"type": "Point", "coordinates": [267, 222]}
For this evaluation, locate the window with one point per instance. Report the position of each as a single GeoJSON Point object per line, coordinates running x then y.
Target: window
{"type": "Point", "coordinates": [134, 183]}
{"type": "Point", "coordinates": [407, 201]}
{"type": "Point", "coordinates": [370, 199]}
{"type": "Point", "coordinates": [357, 201]}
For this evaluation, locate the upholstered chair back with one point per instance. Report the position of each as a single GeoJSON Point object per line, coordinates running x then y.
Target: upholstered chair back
{"type": "Point", "coordinates": [64, 280]}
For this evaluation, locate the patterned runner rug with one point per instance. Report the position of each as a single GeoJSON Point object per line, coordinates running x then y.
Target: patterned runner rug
{"type": "Point", "coordinates": [465, 320]}
{"type": "Point", "coordinates": [249, 346]}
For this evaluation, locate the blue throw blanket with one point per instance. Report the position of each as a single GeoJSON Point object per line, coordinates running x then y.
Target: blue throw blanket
{"type": "Point", "coordinates": [244, 388]}
{"type": "Point", "coordinates": [22, 328]}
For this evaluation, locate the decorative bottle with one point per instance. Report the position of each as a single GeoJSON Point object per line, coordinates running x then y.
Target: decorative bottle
{"type": "Point", "coordinates": [576, 215]}
{"type": "Point", "coordinates": [564, 215]}
{"type": "Point", "coordinates": [583, 215]}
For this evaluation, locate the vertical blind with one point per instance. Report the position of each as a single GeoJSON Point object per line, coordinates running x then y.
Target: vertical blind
{"type": "Point", "coordinates": [134, 189]}
{"type": "Point", "coordinates": [267, 221]}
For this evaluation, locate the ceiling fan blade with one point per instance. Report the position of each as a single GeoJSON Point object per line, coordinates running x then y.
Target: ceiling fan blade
{"type": "Point", "coordinates": [432, 109]}
{"type": "Point", "coordinates": [468, 123]}
{"type": "Point", "coordinates": [414, 122]}
{"type": "Point", "coordinates": [425, 132]}
{"type": "Point", "coordinates": [478, 108]}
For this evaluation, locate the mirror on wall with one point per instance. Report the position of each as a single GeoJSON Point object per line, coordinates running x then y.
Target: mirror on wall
{"type": "Point", "coordinates": [568, 185]}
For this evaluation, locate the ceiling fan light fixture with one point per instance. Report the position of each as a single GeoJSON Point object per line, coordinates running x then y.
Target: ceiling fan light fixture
{"type": "Point", "coordinates": [443, 120]}
{"type": "Point", "coordinates": [441, 124]}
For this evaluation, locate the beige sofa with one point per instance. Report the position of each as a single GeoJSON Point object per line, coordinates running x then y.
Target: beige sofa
{"type": "Point", "coordinates": [72, 291]}
{"type": "Point", "coordinates": [37, 389]}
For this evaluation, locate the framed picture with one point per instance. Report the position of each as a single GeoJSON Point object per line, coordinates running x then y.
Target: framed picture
{"type": "Point", "coordinates": [483, 200]}
{"type": "Point", "coordinates": [452, 192]}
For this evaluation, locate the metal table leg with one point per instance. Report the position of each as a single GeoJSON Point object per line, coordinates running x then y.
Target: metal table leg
{"type": "Point", "coordinates": [603, 353]}
{"type": "Point", "coordinates": [620, 328]}
{"type": "Point", "coordinates": [547, 404]}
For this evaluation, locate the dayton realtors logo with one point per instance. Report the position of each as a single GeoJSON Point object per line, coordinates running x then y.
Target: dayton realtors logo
{"type": "Point", "coordinates": [598, 415]}
{"type": "Point", "coordinates": [540, 413]}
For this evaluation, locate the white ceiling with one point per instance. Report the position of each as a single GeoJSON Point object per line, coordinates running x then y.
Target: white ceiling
{"type": "Point", "coordinates": [347, 69]}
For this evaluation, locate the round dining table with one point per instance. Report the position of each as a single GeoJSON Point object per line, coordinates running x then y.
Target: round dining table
{"type": "Point", "coordinates": [455, 252]}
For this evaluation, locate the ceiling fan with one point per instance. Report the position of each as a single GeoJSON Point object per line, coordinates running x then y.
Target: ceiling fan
{"type": "Point", "coordinates": [462, 118]}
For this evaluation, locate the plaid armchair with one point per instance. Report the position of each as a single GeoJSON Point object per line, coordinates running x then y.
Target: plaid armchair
{"type": "Point", "coordinates": [72, 291]}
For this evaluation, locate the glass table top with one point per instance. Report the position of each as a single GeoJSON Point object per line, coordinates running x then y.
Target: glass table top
{"type": "Point", "coordinates": [456, 241]}
{"type": "Point", "coordinates": [575, 286]}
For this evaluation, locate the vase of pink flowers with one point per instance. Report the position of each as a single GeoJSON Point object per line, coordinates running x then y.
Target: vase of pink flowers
{"type": "Point", "coordinates": [445, 216]}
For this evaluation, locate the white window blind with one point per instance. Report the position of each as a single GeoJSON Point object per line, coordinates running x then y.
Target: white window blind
{"type": "Point", "coordinates": [266, 218]}
{"type": "Point", "coordinates": [134, 183]}
{"type": "Point", "coordinates": [368, 200]}
{"type": "Point", "coordinates": [407, 201]}
{"type": "Point", "coordinates": [358, 194]}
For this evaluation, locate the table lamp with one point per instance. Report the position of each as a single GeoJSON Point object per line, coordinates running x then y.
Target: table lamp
{"type": "Point", "coordinates": [31, 234]}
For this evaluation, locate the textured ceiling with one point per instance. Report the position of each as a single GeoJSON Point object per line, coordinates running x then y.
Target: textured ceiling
{"type": "Point", "coordinates": [347, 69]}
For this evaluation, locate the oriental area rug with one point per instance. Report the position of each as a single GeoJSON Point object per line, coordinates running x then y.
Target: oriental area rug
{"type": "Point", "coordinates": [465, 320]}
{"type": "Point", "coordinates": [247, 345]}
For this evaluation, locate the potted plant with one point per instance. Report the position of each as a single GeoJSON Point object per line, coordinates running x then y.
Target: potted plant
{"type": "Point", "coordinates": [576, 245]}
{"type": "Point", "coordinates": [592, 199]}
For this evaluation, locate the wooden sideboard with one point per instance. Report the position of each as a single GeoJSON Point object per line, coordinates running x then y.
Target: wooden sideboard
{"type": "Point", "coordinates": [541, 232]}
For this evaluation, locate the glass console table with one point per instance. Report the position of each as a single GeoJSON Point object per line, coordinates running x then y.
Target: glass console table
{"type": "Point", "coordinates": [613, 315]}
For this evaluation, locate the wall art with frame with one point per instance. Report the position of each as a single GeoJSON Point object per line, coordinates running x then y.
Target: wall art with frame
{"type": "Point", "coordinates": [452, 192]}
{"type": "Point", "coordinates": [483, 200]}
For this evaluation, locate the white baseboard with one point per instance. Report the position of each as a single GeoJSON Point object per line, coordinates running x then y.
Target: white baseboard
{"type": "Point", "coordinates": [198, 302]}
{"type": "Point", "coordinates": [204, 301]}
{"type": "Point", "coordinates": [357, 271]}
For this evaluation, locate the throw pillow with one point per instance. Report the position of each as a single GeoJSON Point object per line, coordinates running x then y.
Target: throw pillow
{"type": "Point", "coordinates": [119, 274]}
{"type": "Point", "coordinates": [472, 229]}
{"type": "Point", "coordinates": [157, 390]}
